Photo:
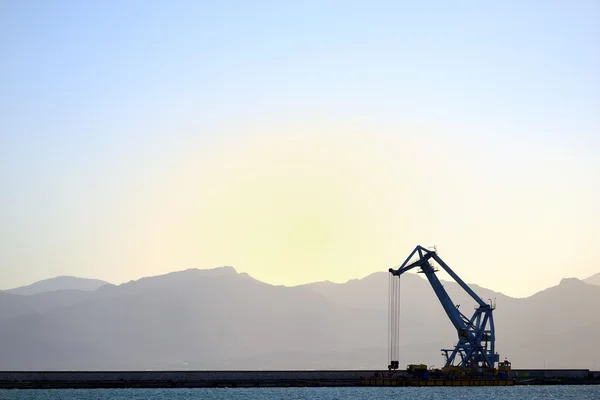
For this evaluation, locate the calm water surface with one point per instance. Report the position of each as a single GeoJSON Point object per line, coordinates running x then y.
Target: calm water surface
{"type": "Point", "coordinates": [488, 393]}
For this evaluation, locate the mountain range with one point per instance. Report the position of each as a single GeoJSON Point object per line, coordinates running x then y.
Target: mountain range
{"type": "Point", "coordinates": [222, 319]}
{"type": "Point", "coordinates": [594, 279]}
{"type": "Point", "coordinates": [59, 283]}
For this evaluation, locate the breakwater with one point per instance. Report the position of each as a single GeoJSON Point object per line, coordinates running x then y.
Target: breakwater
{"type": "Point", "coordinates": [179, 379]}
{"type": "Point", "coordinates": [199, 379]}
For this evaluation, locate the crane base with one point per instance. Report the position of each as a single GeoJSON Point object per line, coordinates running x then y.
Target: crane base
{"type": "Point", "coordinates": [436, 382]}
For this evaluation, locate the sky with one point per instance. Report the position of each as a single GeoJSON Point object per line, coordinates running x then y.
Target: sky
{"type": "Point", "coordinates": [299, 141]}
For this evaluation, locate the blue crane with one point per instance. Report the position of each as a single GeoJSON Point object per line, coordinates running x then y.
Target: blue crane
{"type": "Point", "coordinates": [475, 346]}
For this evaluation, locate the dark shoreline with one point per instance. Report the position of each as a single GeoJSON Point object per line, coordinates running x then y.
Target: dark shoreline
{"type": "Point", "coordinates": [237, 379]}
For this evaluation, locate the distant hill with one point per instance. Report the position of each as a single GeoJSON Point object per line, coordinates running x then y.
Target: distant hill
{"type": "Point", "coordinates": [15, 305]}
{"type": "Point", "coordinates": [12, 305]}
{"type": "Point", "coordinates": [58, 283]}
{"type": "Point", "coordinates": [221, 319]}
{"type": "Point", "coordinates": [593, 280]}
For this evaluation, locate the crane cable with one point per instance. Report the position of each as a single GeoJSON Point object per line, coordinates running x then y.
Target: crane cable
{"type": "Point", "coordinates": [390, 281]}
{"type": "Point", "coordinates": [394, 318]}
{"type": "Point", "coordinates": [397, 307]}
{"type": "Point", "coordinates": [392, 312]}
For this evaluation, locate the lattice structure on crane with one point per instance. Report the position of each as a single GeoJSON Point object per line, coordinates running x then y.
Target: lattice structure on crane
{"type": "Point", "coordinates": [475, 348]}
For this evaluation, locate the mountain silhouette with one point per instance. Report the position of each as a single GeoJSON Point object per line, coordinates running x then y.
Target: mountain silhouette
{"type": "Point", "coordinates": [221, 319]}
{"type": "Point", "coordinates": [593, 280]}
{"type": "Point", "coordinates": [58, 283]}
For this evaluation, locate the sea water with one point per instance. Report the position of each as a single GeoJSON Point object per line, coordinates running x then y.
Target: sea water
{"type": "Point", "coordinates": [591, 392]}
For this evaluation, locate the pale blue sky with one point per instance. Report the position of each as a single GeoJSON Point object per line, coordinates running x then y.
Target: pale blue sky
{"type": "Point", "coordinates": [104, 104]}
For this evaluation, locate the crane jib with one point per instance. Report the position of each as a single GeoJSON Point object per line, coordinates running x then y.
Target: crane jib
{"type": "Point", "coordinates": [476, 335]}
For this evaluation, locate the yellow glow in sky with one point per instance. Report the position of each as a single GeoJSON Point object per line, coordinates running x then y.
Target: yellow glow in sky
{"type": "Point", "coordinates": [292, 205]}
{"type": "Point", "coordinates": [295, 207]}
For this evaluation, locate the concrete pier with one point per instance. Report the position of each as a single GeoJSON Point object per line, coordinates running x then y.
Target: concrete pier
{"type": "Point", "coordinates": [201, 379]}
{"type": "Point", "coordinates": [179, 379]}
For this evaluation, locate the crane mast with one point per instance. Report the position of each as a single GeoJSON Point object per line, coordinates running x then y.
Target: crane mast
{"type": "Point", "coordinates": [475, 348]}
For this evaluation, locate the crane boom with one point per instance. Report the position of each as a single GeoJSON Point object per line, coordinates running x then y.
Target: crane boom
{"type": "Point", "coordinates": [476, 335]}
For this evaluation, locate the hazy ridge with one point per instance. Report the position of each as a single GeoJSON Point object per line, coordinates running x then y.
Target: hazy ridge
{"type": "Point", "coordinates": [594, 279]}
{"type": "Point", "coordinates": [58, 283]}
